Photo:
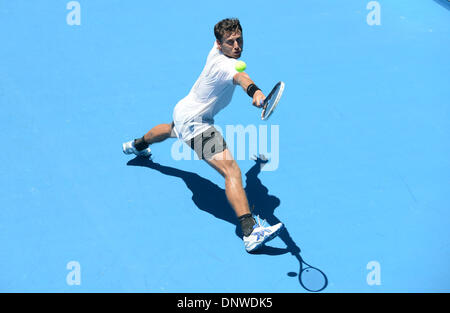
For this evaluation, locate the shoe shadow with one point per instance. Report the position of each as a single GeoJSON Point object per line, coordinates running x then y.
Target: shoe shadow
{"type": "Point", "coordinates": [212, 199]}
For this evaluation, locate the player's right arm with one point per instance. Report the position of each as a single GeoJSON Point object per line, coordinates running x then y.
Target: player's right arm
{"type": "Point", "coordinates": [245, 81]}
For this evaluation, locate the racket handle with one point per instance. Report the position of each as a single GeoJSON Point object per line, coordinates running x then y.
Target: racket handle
{"type": "Point", "coordinates": [264, 104]}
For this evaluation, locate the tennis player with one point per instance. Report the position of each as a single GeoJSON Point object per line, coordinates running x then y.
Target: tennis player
{"type": "Point", "coordinates": [193, 122]}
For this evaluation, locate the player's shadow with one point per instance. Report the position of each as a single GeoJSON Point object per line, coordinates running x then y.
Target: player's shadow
{"type": "Point", "coordinates": [444, 3]}
{"type": "Point", "coordinates": [210, 198]}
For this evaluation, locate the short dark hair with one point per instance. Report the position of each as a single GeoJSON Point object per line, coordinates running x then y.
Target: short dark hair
{"type": "Point", "coordinates": [228, 25]}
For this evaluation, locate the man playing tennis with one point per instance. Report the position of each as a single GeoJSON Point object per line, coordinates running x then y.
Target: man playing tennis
{"type": "Point", "coordinates": [193, 122]}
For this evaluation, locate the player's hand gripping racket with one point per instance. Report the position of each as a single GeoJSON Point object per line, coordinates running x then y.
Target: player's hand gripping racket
{"type": "Point", "coordinates": [272, 100]}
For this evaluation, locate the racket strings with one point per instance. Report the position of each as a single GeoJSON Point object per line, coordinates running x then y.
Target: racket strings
{"type": "Point", "coordinates": [272, 100]}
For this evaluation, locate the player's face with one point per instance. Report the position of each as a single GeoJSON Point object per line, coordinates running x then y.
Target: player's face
{"type": "Point", "coordinates": [232, 45]}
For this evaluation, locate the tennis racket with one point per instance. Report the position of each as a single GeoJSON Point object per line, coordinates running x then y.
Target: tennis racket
{"type": "Point", "coordinates": [311, 278]}
{"type": "Point", "coordinates": [272, 100]}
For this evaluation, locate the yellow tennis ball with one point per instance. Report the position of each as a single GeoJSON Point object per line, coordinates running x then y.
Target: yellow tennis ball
{"type": "Point", "coordinates": [240, 66]}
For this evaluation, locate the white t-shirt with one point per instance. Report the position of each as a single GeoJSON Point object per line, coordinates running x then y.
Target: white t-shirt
{"type": "Point", "coordinates": [211, 92]}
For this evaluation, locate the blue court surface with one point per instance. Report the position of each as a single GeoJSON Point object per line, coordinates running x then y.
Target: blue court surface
{"type": "Point", "coordinates": [358, 148]}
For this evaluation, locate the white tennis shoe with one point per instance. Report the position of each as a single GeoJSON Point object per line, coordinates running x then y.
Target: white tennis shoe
{"type": "Point", "coordinates": [128, 148]}
{"type": "Point", "coordinates": [261, 234]}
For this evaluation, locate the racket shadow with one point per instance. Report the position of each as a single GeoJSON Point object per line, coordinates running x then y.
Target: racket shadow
{"type": "Point", "coordinates": [212, 199]}
{"type": "Point", "coordinates": [310, 278]}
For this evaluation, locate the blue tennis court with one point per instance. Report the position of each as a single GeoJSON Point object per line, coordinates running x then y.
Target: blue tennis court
{"type": "Point", "coordinates": [358, 149]}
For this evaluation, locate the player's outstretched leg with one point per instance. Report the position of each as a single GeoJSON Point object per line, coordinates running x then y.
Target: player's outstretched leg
{"type": "Point", "coordinates": [140, 146]}
{"type": "Point", "coordinates": [255, 232]}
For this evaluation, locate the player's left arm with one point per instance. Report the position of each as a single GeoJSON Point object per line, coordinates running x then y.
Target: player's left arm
{"type": "Point", "coordinates": [245, 81]}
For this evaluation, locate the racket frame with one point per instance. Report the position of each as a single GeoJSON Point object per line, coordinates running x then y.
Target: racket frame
{"type": "Point", "coordinates": [277, 99]}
